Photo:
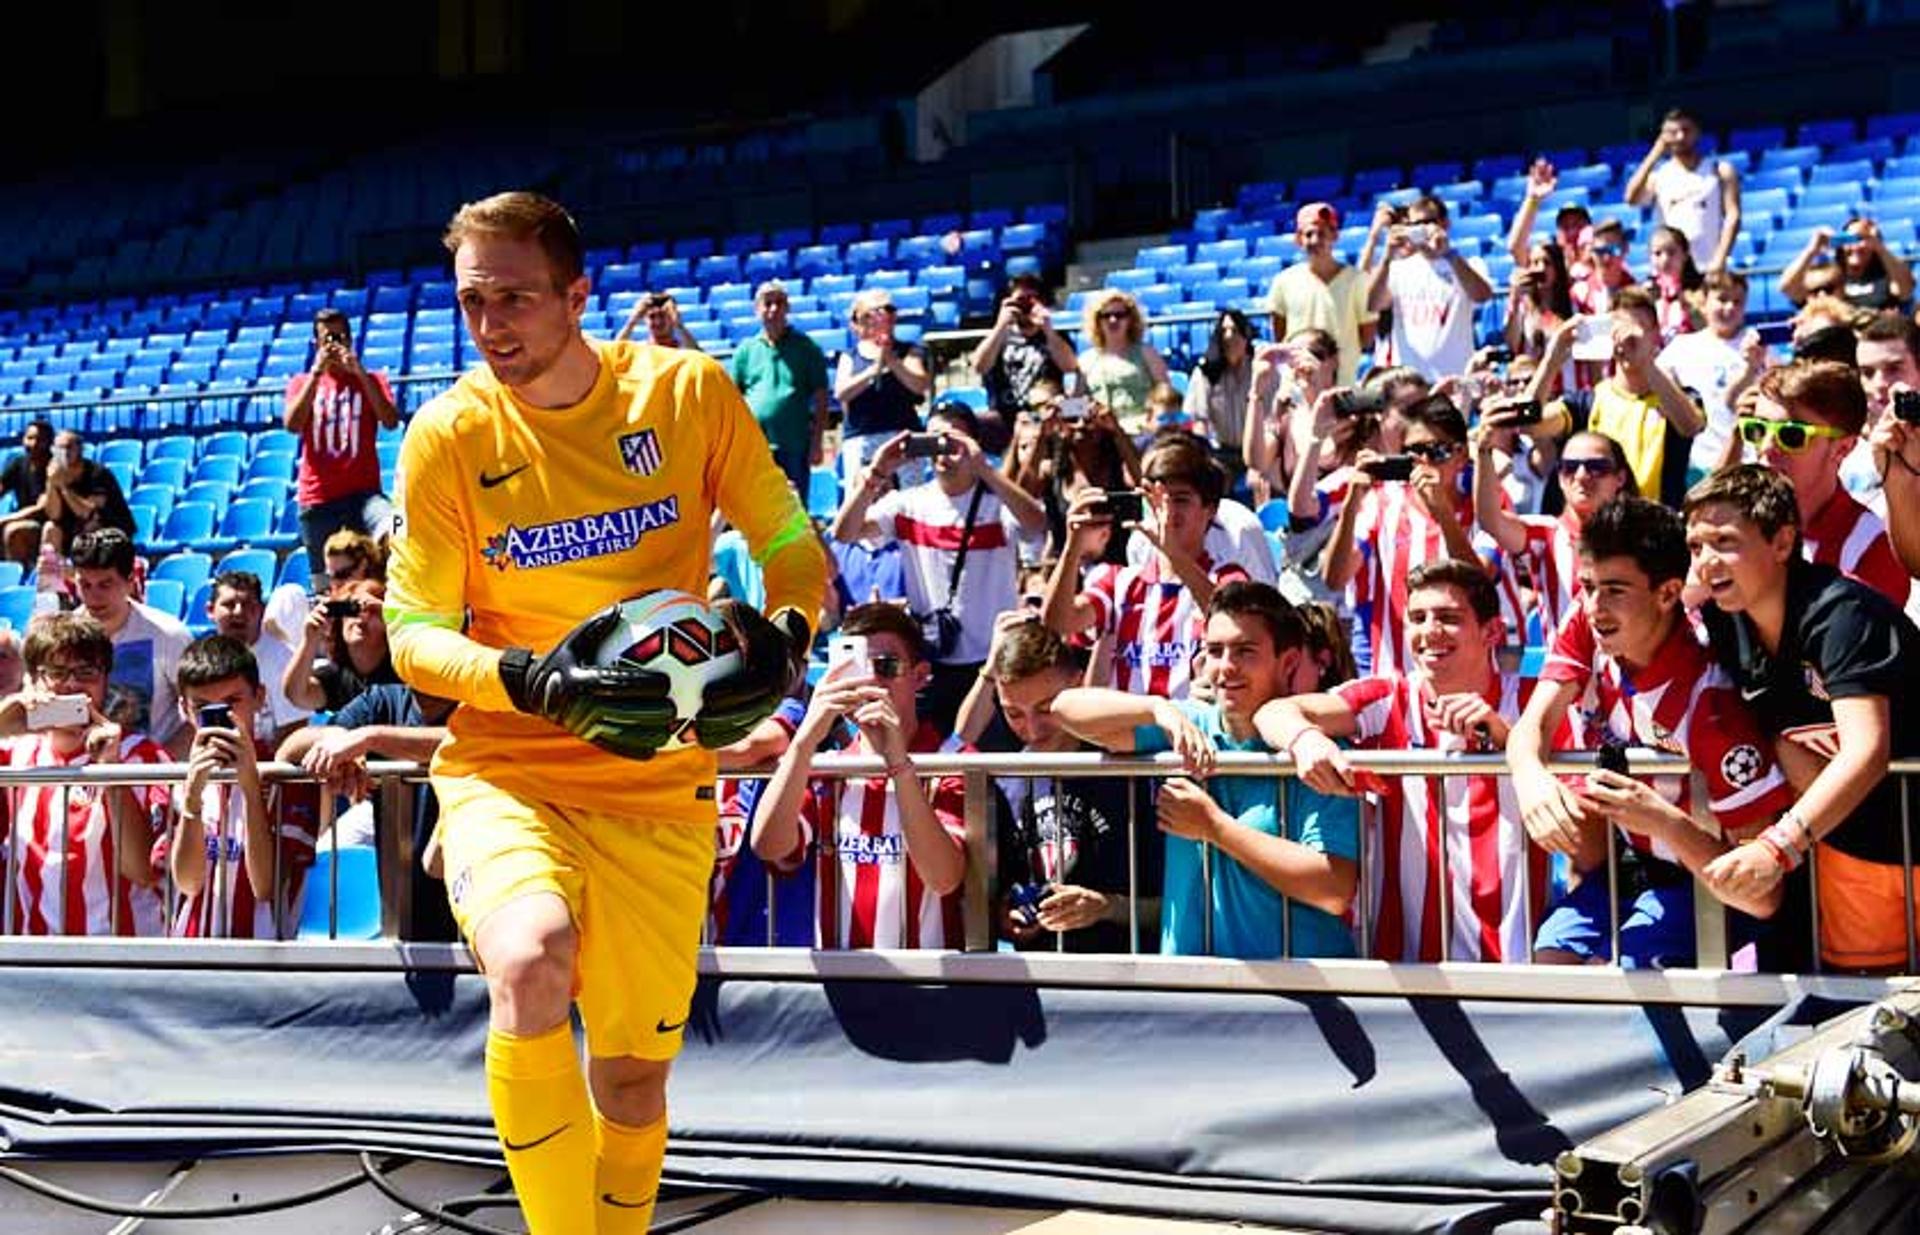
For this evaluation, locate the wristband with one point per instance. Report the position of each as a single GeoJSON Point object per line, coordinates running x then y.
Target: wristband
{"type": "Point", "coordinates": [1806, 829]}
{"type": "Point", "coordinates": [1786, 849]}
{"type": "Point", "coordinates": [515, 665]}
{"type": "Point", "coordinates": [1782, 857]}
{"type": "Point", "coordinates": [894, 769]}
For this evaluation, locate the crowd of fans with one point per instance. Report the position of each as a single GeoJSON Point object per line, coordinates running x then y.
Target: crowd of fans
{"type": "Point", "coordinates": [1630, 524]}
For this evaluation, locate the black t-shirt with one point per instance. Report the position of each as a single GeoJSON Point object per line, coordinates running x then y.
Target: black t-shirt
{"type": "Point", "coordinates": [1074, 830]}
{"type": "Point", "coordinates": [1023, 360]}
{"type": "Point", "coordinates": [1874, 293]}
{"type": "Point", "coordinates": [1842, 640]}
{"type": "Point", "coordinates": [342, 683]}
{"type": "Point", "coordinates": [94, 481]}
{"type": "Point", "coordinates": [24, 481]}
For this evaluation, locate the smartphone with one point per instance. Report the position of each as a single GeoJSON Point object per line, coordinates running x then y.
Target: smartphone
{"type": "Point", "coordinates": [1392, 467]}
{"type": "Point", "coordinates": [1075, 407]}
{"type": "Point", "coordinates": [1527, 413]}
{"type": "Point", "coordinates": [850, 650]}
{"type": "Point", "coordinates": [1420, 235]}
{"type": "Point", "coordinates": [1500, 354]}
{"type": "Point", "coordinates": [343, 608]}
{"type": "Point", "coordinates": [1122, 505]}
{"type": "Point", "coordinates": [1906, 406]}
{"type": "Point", "coordinates": [1593, 337]}
{"type": "Point", "coordinates": [928, 446]}
{"type": "Point", "coordinates": [60, 712]}
{"type": "Point", "coordinates": [214, 716]}
{"type": "Point", "coordinates": [1612, 757]}
{"type": "Point", "coordinates": [1354, 402]}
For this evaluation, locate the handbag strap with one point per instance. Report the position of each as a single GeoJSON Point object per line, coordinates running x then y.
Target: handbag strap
{"type": "Point", "coordinates": [966, 538]}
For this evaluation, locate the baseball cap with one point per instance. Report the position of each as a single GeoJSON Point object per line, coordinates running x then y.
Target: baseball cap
{"type": "Point", "coordinates": [1316, 212]}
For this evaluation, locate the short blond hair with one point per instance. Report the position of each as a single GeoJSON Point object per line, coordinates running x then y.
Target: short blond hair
{"type": "Point", "coordinates": [870, 299]}
{"type": "Point", "coordinates": [523, 215]}
{"type": "Point", "coordinates": [1099, 302]}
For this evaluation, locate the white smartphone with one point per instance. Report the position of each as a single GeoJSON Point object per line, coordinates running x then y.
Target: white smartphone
{"type": "Point", "coordinates": [850, 650]}
{"type": "Point", "coordinates": [1593, 337]}
{"type": "Point", "coordinates": [60, 712]}
{"type": "Point", "coordinates": [1075, 407]}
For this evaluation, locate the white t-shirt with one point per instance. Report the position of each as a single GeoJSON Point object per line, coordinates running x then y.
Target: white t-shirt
{"type": "Point", "coordinates": [146, 660]}
{"type": "Point", "coordinates": [927, 522]}
{"type": "Point", "coordinates": [1432, 315]}
{"type": "Point", "coordinates": [1235, 536]}
{"type": "Point", "coordinates": [1689, 203]}
{"type": "Point", "coordinates": [273, 657]}
{"type": "Point", "coordinates": [1708, 365]}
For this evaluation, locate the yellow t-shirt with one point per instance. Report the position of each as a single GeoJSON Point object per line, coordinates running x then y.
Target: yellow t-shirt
{"type": "Point", "coordinates": [1339, 308]}
{"type": "Point", "coordinates": [1656, 450]}
{"type": "Point", "coordinates": [523, 521]}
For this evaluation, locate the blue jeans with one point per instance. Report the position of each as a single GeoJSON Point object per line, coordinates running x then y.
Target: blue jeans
{"type": "Point", "coordinates": [368, 513]}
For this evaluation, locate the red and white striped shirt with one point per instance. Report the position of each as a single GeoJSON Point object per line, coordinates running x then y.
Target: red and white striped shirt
{"type": "Point", "coordinates": [870, 894]}
{"type": "Point", "coordinates": [1849, 537]}
{"type": "Point", "coordinates": [1553, 557]}
{"type": "Point", "coordinates": [68, 877]}
{"type": "Point", "coordinates": [1496, 880]}
{"type": "Point", "coordinates": [1394, 533]}
{"type": "Point", "coordinates": [1157, 627]}
{"type": "Point", "coordinates": [226, 907]}
{"type": "Point", "coordinates": [1683, 703]}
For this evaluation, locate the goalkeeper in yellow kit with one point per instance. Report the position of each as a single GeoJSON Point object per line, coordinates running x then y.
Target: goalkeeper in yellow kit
{"type": "Point", "coordinates": [554, 481]}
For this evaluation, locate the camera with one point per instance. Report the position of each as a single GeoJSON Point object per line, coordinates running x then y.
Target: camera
{"type": "Point", "coordinates": [214, 716]}
{"type": "Point", "coordinates": [342, 608]}
{"type": "Point", "coordinates": [1354, 402]}
{"type": "Point", "coordinates": [1612, 756]}
{"type": "Point", "coordinates": [1906, 406]}
{"type": "Point", "coordinates": [929, 446]}
{"type": "Point", "coordinates": [1023, 899]}
{"type": "Point", "coordinates": [1528, 412]}
{"type": "Point", "coordinates": [1392, 467]}
{"type": "Point", "coordinates": [1122, 505]}
{"type": "Point", "coordinates": [1075, 407]}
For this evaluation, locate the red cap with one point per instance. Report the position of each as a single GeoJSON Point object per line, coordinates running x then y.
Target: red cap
{"type": "Point", "coordinates": [1316, 212]}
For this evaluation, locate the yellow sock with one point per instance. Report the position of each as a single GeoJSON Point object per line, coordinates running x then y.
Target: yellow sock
{"type": "Point", "coordinates": [629, 1174]}
{"type": "Point", "coordinates": [545, 1121]}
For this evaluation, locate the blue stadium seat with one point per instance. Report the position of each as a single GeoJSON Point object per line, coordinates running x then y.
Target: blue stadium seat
{"type": "Point", "coordinates": [189, 568]}
{"type": "Point", "coordinates": [293, 569]}
{"type": "Point", "coordinates": [124, 451]}
{"type": "Point", "coordinates": [230, 442]}
{"type": "Point", "coordinates": [221, 468]}
{"type": "Point", "coordinates": [1790, 156]}
{"type": "Point", "coordinates": [669, 271]}
{"type": "Point", "coordinates": [865, 255]}
{"type": "Point", "coordinates": [1762, 138]}
{"type": "Point", "coordinates": [816, 259]}
{"type": "Point", "coordinates": [243, 523]}
{"type": "Point", "coordinates": [144, 522]}
{"type": "Point", "coordinates": [166, 595]}
{"type": "Point", "coordinates": [262, 564]}
{"type": "Point", "coordinates": [1841, 172]}
{"type": "Point", "coordinates": [159, 498]}
{"type": "Point", "coordinates": [187, 524]}
{"type": "Point", "coordinates": [16, 606]}
{"type": "Point", "coordinates": [917, 251]}
{"type": "Point", "coordinates": [355, 913]}
{"type": "Point", "coordinates": [167, 472]}
{"type": "Point", "coordinates": [1160, 257]}
{"type": "Point", "coordinates": [1789, 178]}
{"type": "Point", "coordinates": [1873, 150]}
{"type": "Point", "coordinates": [11, 577]}
{"type": "Point", "coordinates": [1131, 280]}
{"type": "Point", "coordinates": [1824, 132]}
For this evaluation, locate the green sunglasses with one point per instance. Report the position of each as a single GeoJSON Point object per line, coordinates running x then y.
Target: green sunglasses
{"type": "Point", "coordinates": [1793, 436]}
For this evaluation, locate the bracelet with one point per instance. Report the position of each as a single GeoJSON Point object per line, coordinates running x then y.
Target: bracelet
{"type": "Point", "coordinates": [1785, 850]}
{"type": "Point", "coordinates": [894, 769]}
{"type": "Point", "coordinates": [1782, 857]}
{"type": "Point", "coordinates": [1806, 829]}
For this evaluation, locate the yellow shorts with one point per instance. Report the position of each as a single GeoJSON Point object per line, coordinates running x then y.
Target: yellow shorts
{"type": "Point", "coordinates": [637, 892]}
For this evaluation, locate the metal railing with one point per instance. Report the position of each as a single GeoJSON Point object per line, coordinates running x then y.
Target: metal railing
{"type": "Point", "coordinates": [395, 787]}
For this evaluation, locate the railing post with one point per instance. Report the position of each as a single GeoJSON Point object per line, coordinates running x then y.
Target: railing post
{"type": "Point", "coordinates": [1286, 902]}
{"type": "Point", "coordinates": [1813, 904]}
{"type": "Point", "coordinates": [1445, 890]}
{"type": "Point", "coordinates": [976, 908]}
{"type": "Point", "coordinates": [396, 807]}
{"type": "Point", "coordinates": [1906, 874]}
{"type": "Point", "coordinates": [1613, 894]}
{"type": "Point", "coordinates": [1133, 869]}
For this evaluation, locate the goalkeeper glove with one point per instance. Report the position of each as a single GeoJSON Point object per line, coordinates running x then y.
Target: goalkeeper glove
{"type": "Point", "coordinates": [770, 658]}
{"type": "Point", "coordinates": [620, 708]}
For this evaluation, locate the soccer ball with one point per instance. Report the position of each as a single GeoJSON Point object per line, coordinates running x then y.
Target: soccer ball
{"type": "Point", "coordinates": [677, 635]}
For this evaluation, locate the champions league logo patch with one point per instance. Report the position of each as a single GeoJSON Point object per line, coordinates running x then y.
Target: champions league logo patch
{"type": "Point", "coordinates": [1741, 766]}
{"type": "Point", "coordinates": [640, 453]}
{"type": "Point", "coordinates": [575, 540]}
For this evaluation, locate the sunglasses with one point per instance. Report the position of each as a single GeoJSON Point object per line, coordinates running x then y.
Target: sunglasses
{"type": "Point", "coordinates": [1607, 250]}
{"type": "Point", "coordinates": [1569, 468]}
{"type": "Point", "coordinates": [1114, 315]}
{"type": "Point", "coordinates": [885, 667]}
{"type": "Point", "coordinates": [1792, 436]}
{"type": "Point", "coordinates": [1431, 452]}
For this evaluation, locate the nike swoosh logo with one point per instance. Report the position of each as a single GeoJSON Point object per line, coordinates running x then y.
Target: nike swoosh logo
{"type": "Point", "coordinates": [1753, 692]}
{"type": "Point", "coordinates": [489, 482]}
{"type": "Point", "coordinates": [661, 1025]}
{"type": "Point", "coordinates": [536, 1142]}
{"type": "Point", "coordinates": [608, 1198]}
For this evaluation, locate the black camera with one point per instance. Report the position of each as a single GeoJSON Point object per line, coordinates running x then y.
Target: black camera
{"type": "Point", "coordinates": [1122, 505]}
{"type": "Point", "coordinates": [1906, 406]}
{"type": "Point", "coordinates": [1525, 413]}
{"type": "Point", "coordinates": [1612, 756]}
{"type": "Point", "coordinates": [1392, 467]}
{"type": "Point", "coordinates": [214, 716]}
{"type": "Point", "coordinates": [1354, 402]}
{"type": "Point", "coordinates": [343, 608]}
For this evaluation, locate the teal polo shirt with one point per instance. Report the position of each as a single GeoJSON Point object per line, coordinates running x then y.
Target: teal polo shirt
{"type": "Point", "coordinates": [779, 381]}
{"type": "Point", "coordinates": [1246, 909]}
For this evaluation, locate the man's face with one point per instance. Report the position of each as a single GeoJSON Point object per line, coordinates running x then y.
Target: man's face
{"type": "Point", "coordinates": [1027, 703]}
{"type": "Point", "coordinates": [245, 700]}
{"type": "Point", "coordinates": [65, 673]}
{"type": "Point", "coordinates": [945, 463]}
{"type": "Point", "coordinates": [1624, 608]}
{"type": "Point", "coordinates": [1732, 559]}
{"type": "Point", "coordinates": [1609, 252]}
{"type": "Point", "coordinates": [1813, 468]}
{"type": "Point", "coordinates": [37, 440]}
{"type": "Point", "coordinates": [1184, 515]}
{"type": "Point", "coordinates": [325, 332]}
{"type": "Point", "coordinates": [1636, 336]}
{"type": "Point", "coordinates": [1447, 637]}
{"type": "Point", "coordinates": [1726, 312]}
{"type": "Point", "coordinates": [69, 446]}
{"type": "Point", "coordinates": [1589, 475]}
{"type": "Point", "coordinates": [1884, 362]}
{"type": "Point", "coordinates": [105, 592]}
{"type": "Point", "coordinates": [772, 309]}
{"type": "Point", "coordinates": [515, 315]}
{"type": "Point", "coordinates": [1434, 451]}
{"type": "Point", "coordinates": [367, 627]}
{"type": "Point", "coordinates": [1681, 136]}
{"type": "Point", "coordinates": [1855, 254]}
{"type": "Point", "coordinates": [235, 614]}
{"type": "Point", "coordinates": [660, 320]}
{"type": "Point", "coordinates": [1315, 238]}
{"type": "Point", "coordinates": [1239, 662]}
{"type": "Point", "coordinates": [1568, 226]}
{"type": "Point", "coordinates": [910, 675]}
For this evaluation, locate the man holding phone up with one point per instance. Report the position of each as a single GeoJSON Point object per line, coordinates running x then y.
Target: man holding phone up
{"type": "Point", "coordinates": [957, 532]}
{"type": "Point", "coordinates": [95, 873]}
{"type": "Point", "coordinates": [1432, 291]}
{"type": "Point", "coordinates": [337, 407]}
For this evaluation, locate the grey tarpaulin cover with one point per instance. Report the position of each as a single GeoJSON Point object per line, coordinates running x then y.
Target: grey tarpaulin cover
{"type": "Point", "coordinates": [1321, 1112]}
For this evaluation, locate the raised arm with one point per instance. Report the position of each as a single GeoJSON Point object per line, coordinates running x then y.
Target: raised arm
{"type": "Point", "coordinates": [1640, 184]}
{"type": "Point", "coordinates": [1508, 530]}
{"type": "Point", "coordinates": [1730, 216]}
{"type": "Point", "coordinates": [1793, 280]}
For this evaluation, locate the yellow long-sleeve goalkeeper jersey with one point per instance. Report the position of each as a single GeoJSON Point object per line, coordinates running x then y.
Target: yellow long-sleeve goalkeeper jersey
{"type": "Point", "coordinates": [515, 523]}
